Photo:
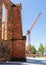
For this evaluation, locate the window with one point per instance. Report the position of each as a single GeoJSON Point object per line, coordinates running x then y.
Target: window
{"type": "Point", "coordinates": [4, 22]}
{"type": "Point", "coordinates": [3, 12]}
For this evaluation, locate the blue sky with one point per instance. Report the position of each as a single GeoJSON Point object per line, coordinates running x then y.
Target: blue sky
{"type": "Point", "coordinates": [30, 10]}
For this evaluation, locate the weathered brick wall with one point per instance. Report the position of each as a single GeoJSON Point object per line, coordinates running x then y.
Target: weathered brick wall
{"type": "Point", "coordinates": [8, 7]}
{"type": "Point", "coordinates": [16, 22]}
{"type": "Point", "coordinates": [18, 41]}
{"type": "Point", "coordinates": [15, 41]}
{"type": "Point", "coordinates": [3, 42]}
{"type": "Point", "coordinates": [18, 49]}
{"type": "Point", "coordinates": [0, 20]}
{"type": "Point", "coordinates": [4, 30]}
{"type": "Point", "coordinates": [5, 50]}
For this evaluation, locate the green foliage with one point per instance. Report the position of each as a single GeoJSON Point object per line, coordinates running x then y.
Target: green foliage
{"type": "Point", "coordinates": [33, 50]}
{"type": "Point", "coordinates": [41, 48]}
{"type": "Point", "coordinates": [45, 48]}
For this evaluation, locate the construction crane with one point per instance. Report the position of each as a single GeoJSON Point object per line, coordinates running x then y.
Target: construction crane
{"type": "Point", "coordinates": [29, 32]}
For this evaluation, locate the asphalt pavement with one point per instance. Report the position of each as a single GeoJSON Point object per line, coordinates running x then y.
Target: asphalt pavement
{"type": "Point", "coordinates": [29, 61]}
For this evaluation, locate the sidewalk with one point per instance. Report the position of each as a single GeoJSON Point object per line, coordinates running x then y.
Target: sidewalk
{"type": "Point", "coordinates": [36, 58]}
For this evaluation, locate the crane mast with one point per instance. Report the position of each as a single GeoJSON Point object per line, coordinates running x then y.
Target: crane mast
{"type": "Point", "coordinates": [29, 31]}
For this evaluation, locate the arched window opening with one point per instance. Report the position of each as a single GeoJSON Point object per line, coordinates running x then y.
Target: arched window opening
{"type": "Point", "coordinates": [3, 12]}
{"type": "Point", "coordinates": [4, 22]}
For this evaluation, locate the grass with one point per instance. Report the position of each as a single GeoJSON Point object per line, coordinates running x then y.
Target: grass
{"type": "Point", "coordinates": [42, 57]}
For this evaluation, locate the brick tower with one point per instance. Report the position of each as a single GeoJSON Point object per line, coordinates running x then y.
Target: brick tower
{"type": "Point", "coordinates": [18, 40]}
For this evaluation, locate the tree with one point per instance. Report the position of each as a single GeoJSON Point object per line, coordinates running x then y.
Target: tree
{"type": "Point", "coordinates": [33, 50]}
{"type": "Point", "coordinates": [41, 48]}
{"type": "Point", "coordinates": [45, 48]}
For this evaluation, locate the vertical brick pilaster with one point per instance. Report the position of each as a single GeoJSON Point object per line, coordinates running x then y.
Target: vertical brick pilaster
{"type": "Point", "coordinates": [18, 41]}
{"type": "Point", "coordinates": [0, 20]}
{"type": "Point", "coordinates": [16, 22]}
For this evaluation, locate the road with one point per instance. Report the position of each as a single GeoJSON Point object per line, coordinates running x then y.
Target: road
{"type": "Point", "coordinates": [29, 61]}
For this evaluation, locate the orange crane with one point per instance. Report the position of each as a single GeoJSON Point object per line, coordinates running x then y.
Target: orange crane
{"type": "Point", "coordinates": [29, 31]}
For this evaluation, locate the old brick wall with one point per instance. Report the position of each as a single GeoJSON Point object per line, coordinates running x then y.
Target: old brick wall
{"type": "Point", "coordinates": [18, 48]}
{"type": "Point", "coordinates": [4, 42]}
{"type": "Point", "coordinates": [8, 8]}
{"type": "Point", "coordinates": [18, 43]}
{"type": "Point", "coordinates": [16, 22]}
{"type": "Point", "coordinates": [0, 20]}
{"type": "Point", "coordinates": [15, 41]}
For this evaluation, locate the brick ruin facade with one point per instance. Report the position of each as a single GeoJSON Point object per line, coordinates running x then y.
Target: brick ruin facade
{"type": "Point", "coordinates": [11, 34]}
